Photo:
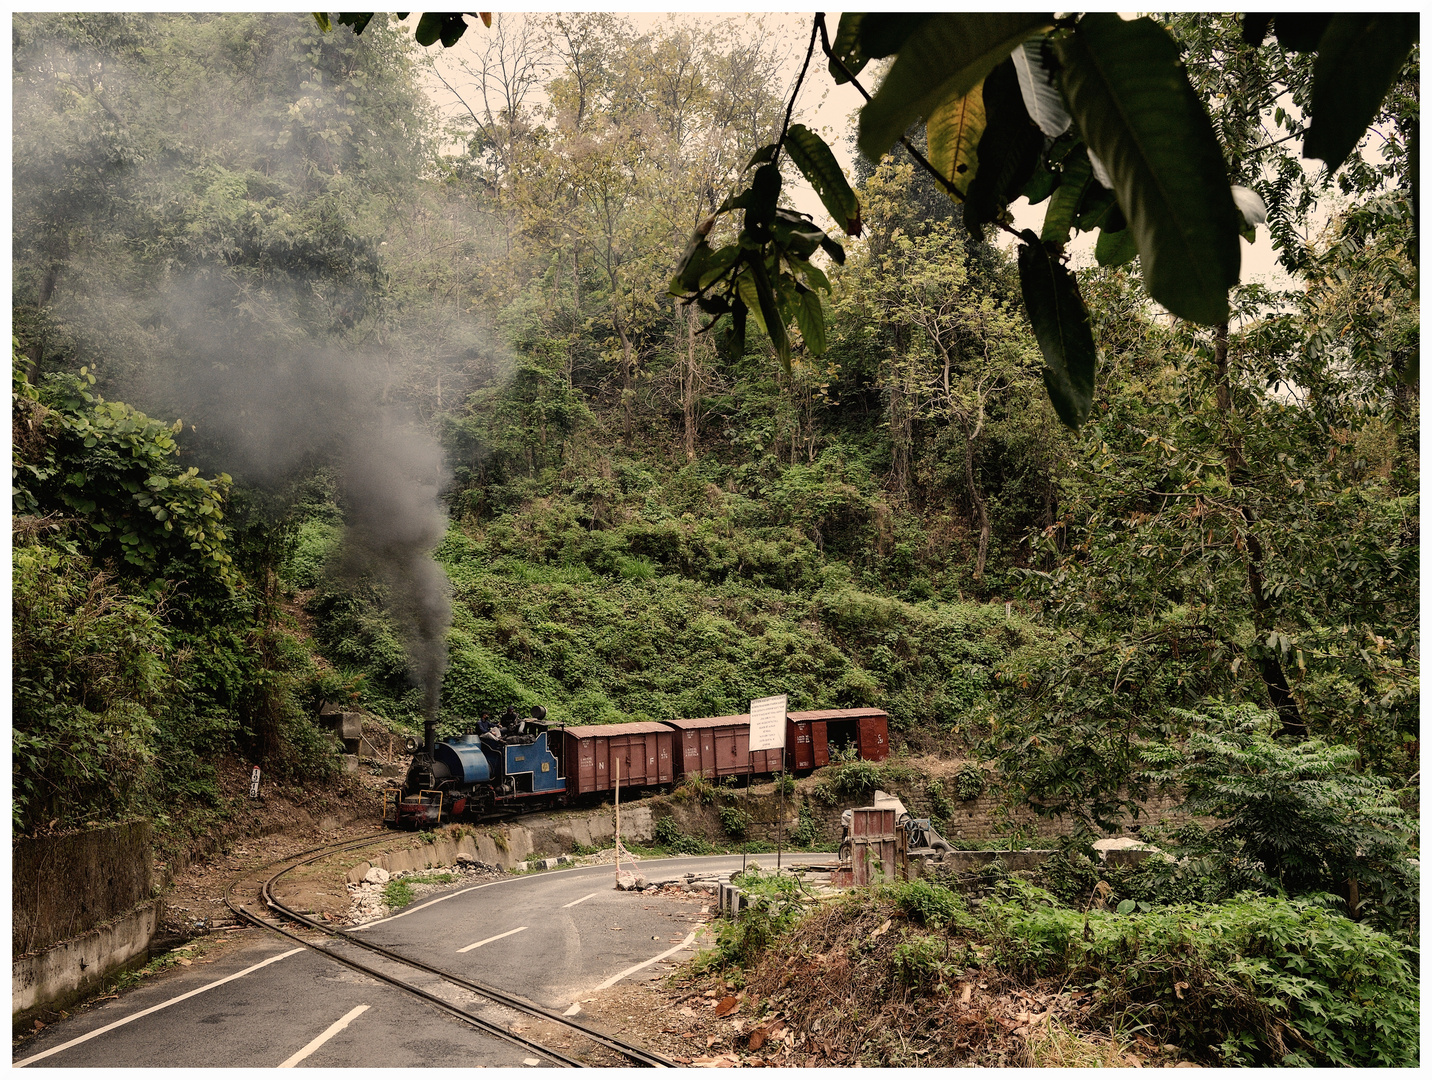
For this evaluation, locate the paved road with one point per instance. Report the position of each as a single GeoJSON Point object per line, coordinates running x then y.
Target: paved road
{"type": "Point", "coordinates": [555, 937]}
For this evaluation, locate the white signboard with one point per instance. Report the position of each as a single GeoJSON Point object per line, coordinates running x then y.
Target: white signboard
{"type": "Point", "coordinates": [768, 723]}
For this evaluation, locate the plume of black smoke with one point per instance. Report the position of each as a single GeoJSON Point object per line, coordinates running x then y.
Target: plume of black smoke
{"type": "Point", "coordinates": [390, 484]}
{"type": "Point", "coordinates": [268, 408]}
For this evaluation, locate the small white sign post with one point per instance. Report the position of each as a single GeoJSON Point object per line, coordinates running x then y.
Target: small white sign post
{"type": "Point", "coordinates": [768, 732]}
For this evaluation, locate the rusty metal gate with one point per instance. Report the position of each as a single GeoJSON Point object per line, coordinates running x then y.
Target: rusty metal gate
{"type": "Point", "coordinates": [877, 846]}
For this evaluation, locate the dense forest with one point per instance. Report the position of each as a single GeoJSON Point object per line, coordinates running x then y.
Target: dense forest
{"type": "Point", "coordinates": [321, 392]}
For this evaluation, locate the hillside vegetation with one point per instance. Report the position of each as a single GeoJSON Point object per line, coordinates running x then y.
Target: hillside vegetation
{"type": "Point", "coordinates": [322, 394]}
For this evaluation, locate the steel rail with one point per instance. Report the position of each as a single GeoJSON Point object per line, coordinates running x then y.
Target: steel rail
{"type": "Point", "coordinates": [502, 997]}
{"type": "Point", "coordinates": [459, 1013]}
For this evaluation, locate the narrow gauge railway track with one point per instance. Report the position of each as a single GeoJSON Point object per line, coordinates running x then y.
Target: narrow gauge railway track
{"type": "Point", "coordinates": [633, 1054]}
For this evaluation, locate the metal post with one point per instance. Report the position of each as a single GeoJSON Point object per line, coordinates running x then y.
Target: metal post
{"type": "Point", "coordinates": [617, 792]}
{"type": "Point", "coordinates": [748, 807]}
{"type": "Point", "coordinates": [780, 814]}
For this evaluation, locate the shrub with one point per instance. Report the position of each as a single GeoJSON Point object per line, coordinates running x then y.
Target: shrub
{"type": "Point", "coordinates": [925, 962]}
{"type": "Point", "coordinates": [397, 894]}
{"type": "Point", "coordinates": [928, 903]}
{"type": "Point", "coordinates": [1302, 812]}
{"type": "Point", "coordinates": [969, 782]}
{"type": "Point", "coordinates": [1260, 980]}
{"type": "Point", "coordinates": [666, 833]}
{"type": "Point", "coordinates": [735, 821]}
{"type": "Point", "coordinates": [807, 829]}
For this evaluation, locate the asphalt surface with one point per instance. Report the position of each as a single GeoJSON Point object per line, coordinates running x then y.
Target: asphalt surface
{"type": "Point", "coordinates": [556, 938]}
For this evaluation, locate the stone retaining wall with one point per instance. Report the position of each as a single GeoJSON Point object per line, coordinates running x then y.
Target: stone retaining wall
{"type": "Point", "coordinates": [81, 910]}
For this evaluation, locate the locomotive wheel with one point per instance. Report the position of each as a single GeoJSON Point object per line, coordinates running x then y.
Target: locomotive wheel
{"type": "Point", "coordinates": [845, 852]}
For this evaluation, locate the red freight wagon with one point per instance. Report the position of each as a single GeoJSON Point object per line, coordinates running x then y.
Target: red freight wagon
{"type": "Point", "coordinates": [716, 746]}
{"type": "Point", "coordinates": [810, 736]}
{"type": "Point", "coordinates": [592, 753]}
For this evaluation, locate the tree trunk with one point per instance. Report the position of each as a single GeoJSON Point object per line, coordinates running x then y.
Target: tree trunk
{"type": "Point", "coordinates": [627, 392]}
{"type": "Point", "coordinates": [1280, 694]}
{"type": "Point", "coordinates": [688, 386]}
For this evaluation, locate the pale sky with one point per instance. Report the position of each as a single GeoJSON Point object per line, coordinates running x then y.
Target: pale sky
{"type": "Point", "coordinates": [828, 109]}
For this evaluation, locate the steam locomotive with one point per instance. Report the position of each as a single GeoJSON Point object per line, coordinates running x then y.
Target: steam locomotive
{"type": "Point", "coordinates": [524, 763]}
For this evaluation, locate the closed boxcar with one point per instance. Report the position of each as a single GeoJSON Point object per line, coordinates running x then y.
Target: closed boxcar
{"type": "Point", "coordinates": [811, 736]}
{"type": "Point", "coordinates": [593, 754]}
{"type": "Point", "coordinates": [716, 746]}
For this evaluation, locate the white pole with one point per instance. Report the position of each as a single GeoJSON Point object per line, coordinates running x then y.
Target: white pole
{"type": "Point", "coordinates": [617, 792]}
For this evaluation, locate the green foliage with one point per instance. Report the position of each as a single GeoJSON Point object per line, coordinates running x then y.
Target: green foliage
{"type": "Point", "coordinates": [1301, 814]}
{"type": "Point", "coordinates": [1262, 979]}
{"type": "Point", "coordinates": [807, 829]}
{"type": "Point", "coordinates": [858, 778]}
{"type": "Point", "coordinates": [1061, 326]}
{"type": "Point", "coordinates": [114, 469]}
{"type": "Point", "coordinates": [1135, 109]}
{"type": "Point", "coordinates": [928, 903]}
{"type": "Point", "coordinates": [735, 821]}
{"type": "Point", "coordinates": [969, 784]}
{"type": "Point", "coordinates": [90, 672]}
{"type": "Point", "coordinates": [1144, 163]}
{"type": "Point", "coordinates": [667, 834]}
{"type": "Point", "coordinates": [927, 963]}
{"type": "Point", "coordinates": [397, 894]}
{"type": "Point", "coordinates": [774, 907]}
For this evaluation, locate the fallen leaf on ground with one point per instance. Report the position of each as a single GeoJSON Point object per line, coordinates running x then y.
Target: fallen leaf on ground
{"type": "Point", "coordinates": [726, 1004]}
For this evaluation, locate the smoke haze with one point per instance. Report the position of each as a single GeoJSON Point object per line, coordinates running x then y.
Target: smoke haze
{"type": "Point", "coordinates": [212, 237]}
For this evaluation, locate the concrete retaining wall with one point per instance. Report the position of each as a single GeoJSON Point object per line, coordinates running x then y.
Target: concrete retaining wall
{"type": "Point", "coordinates": [68, 971]}
{"type": "Point", "coordinates": [509, 845]}
{"type": "Point", "coordinates": [62, 886]}
{"type": "Point", "coordinates": [82, 910]}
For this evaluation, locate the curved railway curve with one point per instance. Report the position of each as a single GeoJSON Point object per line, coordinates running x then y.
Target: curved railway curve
{"type": "Point", "coordinates": [629, 1054]}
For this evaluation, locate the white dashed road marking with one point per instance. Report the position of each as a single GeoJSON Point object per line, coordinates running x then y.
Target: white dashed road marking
{"type": "Point", "coordinates": [495, 937]}
{"type": "Point", "coordinates": [156, 1008]}
{"type": "Point", "coordinates": [332, 1030]}
{"type": "Point", "coordinates": [620, 975]}
{"type": "Point", "coordinates": [574, 903]}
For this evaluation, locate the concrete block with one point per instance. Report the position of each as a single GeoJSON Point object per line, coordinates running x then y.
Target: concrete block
{"type": "Point", "coordinates": [65, 972]}
{"type": "Point", "coordinates": [350, 725]}
{"type": "Point", "coordinates": [357, 873]}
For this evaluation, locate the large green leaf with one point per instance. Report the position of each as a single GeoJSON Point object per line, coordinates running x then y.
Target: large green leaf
{"type": "Point", "coordinates": [953, 136]}
{"type": "Point", "coordinates": [775, 323]}
{"type": "Point", "coordinates": [865, 36]}
{"type": "Point", "coordinates": [948, 58]}
{"type": "Point", "coordinates": [1008, 150]}
{"type": "Point", "coordinates": [846, 47]}
{"type": "Point", "coordinates": [1300, 31]}
{"type": "Point", "coordinates": [811, 319]}
{"type": "Point", "coordinates": [884, 33]}
{"type": "Point", "coordinates": [1135, 108]}
{"type": "Point", "coordinates": [1043, 99]}
{"type": "Point", "coordinates": [765, 193]}
{"type": "Point", "coordinates": [1359, 56]}
{"type": "Point", "coordinates": [1073, 182]}
{"type": "Point", "coordinates": [1061, 326]}
{"type": "Point", "coordinates": [449, 26]}
{"type": "Point", "coordinates": [818, 165]}
{"type": "Point", "coordinates": [1115, 248]}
